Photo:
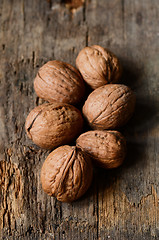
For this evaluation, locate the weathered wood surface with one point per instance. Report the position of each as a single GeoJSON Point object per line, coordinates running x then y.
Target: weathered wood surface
{"type": "Point", "coordinates": [121, 204]}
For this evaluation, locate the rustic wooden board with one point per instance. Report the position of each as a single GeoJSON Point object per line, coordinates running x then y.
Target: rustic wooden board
{"type": "Point", "coordinates": [121, 204]}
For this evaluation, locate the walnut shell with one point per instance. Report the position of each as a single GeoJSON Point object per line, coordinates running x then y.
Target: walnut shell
{"type": "Point", "coordinates": [50, 125]}
{"type": "Point", "coordinates": [107, 148]}
{"type": "Point", "coordinates": [58, 81]}
{"type": "Point", "coordinates": [98, 66]}
{"type": "Point", "coordinates": [66, 173]}
{"type": "Point", "coordinates": [109, 106]}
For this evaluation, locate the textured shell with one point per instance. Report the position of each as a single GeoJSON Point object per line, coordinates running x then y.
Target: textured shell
{"type": "Point", "coordinates": [107, 148]}
{"type": "Point", "coordinates": [50, 125]}
{"type": "Point", "coordinates": [57, 81]}
{"type": "Point", "coordinates": [109, 106]}
{"type": "Point", "coordinates": [98, 66]}
{"type": "Point", "coordinates": [66, 173]}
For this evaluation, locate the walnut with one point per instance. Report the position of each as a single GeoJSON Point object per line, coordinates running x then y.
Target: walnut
{"type": "Point", "coordinates": [109, 107]}
{"type": "Point", "coordinates": [107, 148]}
{"type": "Point", "coordinates": [98, 66]}
{"type": "Point", "coordinates": [66, 173]}
{"type": "Point", "coordinates": [50, 125]}
{"type": "Point", "coordinates": [58, 81]}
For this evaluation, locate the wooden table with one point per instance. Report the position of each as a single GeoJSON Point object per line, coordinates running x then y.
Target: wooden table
{"type": "Point", "coordinates": [121, 204]}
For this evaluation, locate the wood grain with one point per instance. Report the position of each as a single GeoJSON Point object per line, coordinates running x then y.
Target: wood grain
{"type": "Point", "coordinates": [121, 204]}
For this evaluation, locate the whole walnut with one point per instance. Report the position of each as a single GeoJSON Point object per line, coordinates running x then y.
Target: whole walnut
{"type": "Point", "coordinates": [107, 148]}
{"type": "Point", "coordinates": [109, 107]}
{"type": "Point", "coordinates": [66, 173]}
{"type": "Point", "coordinates": [58, 81]}
{"type": "Point", "coordinates": [98, 66]}
{"type": "Point", "coordinates": [50, 125]}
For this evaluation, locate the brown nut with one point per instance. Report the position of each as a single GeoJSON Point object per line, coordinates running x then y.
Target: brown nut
{"type": "Point", "coordinates": [66, 173]}
{"type": "Point", "coordinates": [58, 81]}
{"type": "Point", "coordinates": [50, 125]}
{"type": "Point", "coordinates": [109, 106]}
{"type": "Point", "coordinates": [98, 66]}
{"type": "Point", "coordinates": [107, 148]}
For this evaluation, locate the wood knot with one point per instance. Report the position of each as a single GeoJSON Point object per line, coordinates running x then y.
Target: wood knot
{"type": "Point", "coordinates": [73, 4]}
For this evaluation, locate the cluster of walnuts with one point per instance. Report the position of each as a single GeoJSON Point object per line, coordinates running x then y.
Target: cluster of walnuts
{"type": "Point", "coordinates": [67, 171]}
